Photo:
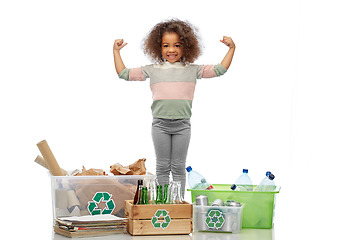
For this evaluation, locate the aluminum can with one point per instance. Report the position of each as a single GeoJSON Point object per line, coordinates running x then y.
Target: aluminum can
{"type": "Point", "coordinates": [217, 202]}
{"type": "Point", "coordinates": [202, 200]}
{"type": "Point", "coordinates": [234, 204]}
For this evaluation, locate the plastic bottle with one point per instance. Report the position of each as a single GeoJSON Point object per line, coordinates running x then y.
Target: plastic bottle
{"type": "Point", "coordinates": [197, 181]}
{"type": "Point", "coordinates": [234, 187]}
{"type": "Point", "coordinates": [267, 184]}
{"type": "Point", "coordinates": [244, 181]}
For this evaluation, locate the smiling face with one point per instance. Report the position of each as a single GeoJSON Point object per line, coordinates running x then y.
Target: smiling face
{"type": "Point", "coordinates": [171, 48]}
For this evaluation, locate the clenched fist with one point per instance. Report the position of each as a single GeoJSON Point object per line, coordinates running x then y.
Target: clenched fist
{"type": "Point", "coordinates": [228, 42]}
{"type": "Point", "coordinates": [119, 44]}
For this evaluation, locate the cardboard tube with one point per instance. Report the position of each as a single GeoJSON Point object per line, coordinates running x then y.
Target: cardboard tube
{"type": "Point", "coordinates": [42, 162]}
{"type": "Point", "coordinates": [61, 198]}
{"type": "Point", "coordinates": [49, 158]}
{"type": "Point", "coordinates": [72, 199]}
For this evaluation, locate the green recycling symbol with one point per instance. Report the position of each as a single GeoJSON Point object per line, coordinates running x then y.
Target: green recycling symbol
{"type": "Point", "coordinates": [215, 219]}
{"type": "Point", "coordinates": [159, 214]}
{"type": "Point", "coordinates": [92, 206]}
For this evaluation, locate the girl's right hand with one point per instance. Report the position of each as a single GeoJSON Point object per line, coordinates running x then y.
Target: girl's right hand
{"type": "Point", "coordinates": [119, 44]}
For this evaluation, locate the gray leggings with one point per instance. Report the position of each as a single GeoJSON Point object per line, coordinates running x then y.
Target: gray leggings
{"type": "Point", "coordinates": [171, 139]}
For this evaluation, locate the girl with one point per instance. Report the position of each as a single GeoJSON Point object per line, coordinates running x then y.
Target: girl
{"type": "Point", "coordinates": [172, 45]}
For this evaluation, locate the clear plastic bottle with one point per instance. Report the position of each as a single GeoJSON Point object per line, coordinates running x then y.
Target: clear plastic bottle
{"type": "Point", "coordinates": [267, 184]}
{"type": "Point", "coordinates": [197, 181]}
{"type": "Point", "coordinates": [234, 187]}
{"type": "Point", "coordinates": [244, 181]}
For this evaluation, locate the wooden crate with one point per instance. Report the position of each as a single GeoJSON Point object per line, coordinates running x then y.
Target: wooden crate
{"type": "Point", "coordinates": [159, 219]}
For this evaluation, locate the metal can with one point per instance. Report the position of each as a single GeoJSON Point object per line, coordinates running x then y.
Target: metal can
{"type": "Point", "coordinates": [202, 200]}
{"type": "Point", "coordinates": [217, 202]}
{"type": "Point", "coordinates": [232, 203]}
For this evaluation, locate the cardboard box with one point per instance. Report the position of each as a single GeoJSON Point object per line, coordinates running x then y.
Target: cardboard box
{"type": "Point", "coordinates": [159, 219]}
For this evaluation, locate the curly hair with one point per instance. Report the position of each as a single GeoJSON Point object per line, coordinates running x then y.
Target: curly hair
{"type": "Point", "coordinates": [188, 35]}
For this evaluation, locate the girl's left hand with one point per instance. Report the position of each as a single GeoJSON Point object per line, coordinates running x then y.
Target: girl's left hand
{"type": "Point", "coordinates": [228, 42]}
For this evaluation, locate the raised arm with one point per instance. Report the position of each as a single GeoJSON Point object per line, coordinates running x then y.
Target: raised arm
{"type": "Point", "coordinates": [227, 60]}
{"type": "Point", "coordinates": [117, 46]}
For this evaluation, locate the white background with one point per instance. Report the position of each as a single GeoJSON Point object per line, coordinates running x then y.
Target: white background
{"type": "Point", "coordinates": [278, 108]}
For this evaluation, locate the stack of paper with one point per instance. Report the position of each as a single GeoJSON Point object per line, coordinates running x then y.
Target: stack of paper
{"type": "Point", "coordinates": [89, 226]}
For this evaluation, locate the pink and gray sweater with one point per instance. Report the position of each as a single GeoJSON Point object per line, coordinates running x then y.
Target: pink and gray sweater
{"type": "Point", "coordinates": [173, 85]}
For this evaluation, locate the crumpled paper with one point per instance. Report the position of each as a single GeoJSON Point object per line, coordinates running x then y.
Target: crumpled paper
{"type": "Point", "coordinates": [137, 168]}
{"type": "Point", "coordinates": [90, 172]}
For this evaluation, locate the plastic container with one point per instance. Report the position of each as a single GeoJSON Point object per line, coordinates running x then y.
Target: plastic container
{"type": "Point", "coordinates": [244, 181]}
{"type": "Point", "coordinates": [259, 206]}
{"type": "Point", "coordinates": [196, 180]}
{"type": "Point", "coordinates": [217, 219]}
{"type": "Point", "coordinates": [93, 195]}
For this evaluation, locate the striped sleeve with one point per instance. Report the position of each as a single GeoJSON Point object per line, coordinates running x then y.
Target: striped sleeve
{"type": "Point", "coordinates": [124, 74]}
{"type": "Point", "coordinates": [210, 71]}
{"type": "Point", "coordinates": [220, 70]}
{"type": "Point", "coordinates": [132, 74]}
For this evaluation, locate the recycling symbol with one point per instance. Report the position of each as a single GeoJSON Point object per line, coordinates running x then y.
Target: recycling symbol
{"type": "Point", "coordinates": [215, 219]}
{"type": "Point", "coordinates": [98, 197]}
{"type": "Point", "coordinates": [157, 223]}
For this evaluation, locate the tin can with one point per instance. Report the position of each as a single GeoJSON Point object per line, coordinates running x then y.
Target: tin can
{"type": "Point", "coordinates": [217, 202]}
{"type": "Point", "coordinates": [202, 200]}
{"type": "Point", "coordinates": [232, 203]}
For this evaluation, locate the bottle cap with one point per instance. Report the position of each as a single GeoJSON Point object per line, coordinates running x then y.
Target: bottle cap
{"type": "Point", "coordinates": [271, 176]}
{"type": "Point", "coordinates": [267, 173]}
{"type": "Point", "coordinates": [233, 187]}
{"type": "Point", "coordinates": [189, 168]}
{"type": "Point", "coordinates": [245, 170]}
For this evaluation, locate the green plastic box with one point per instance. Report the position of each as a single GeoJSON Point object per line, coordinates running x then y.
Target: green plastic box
{"type": "Point", "coordinates": [259, 206]}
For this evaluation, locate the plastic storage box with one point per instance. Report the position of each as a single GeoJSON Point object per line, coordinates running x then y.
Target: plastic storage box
{"type": "Point", "coordinates": [259, 206]}
{"type": "Point", "coordinates": [93, 195]}
{"type": "Point", "coordinates": [217, 219]}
